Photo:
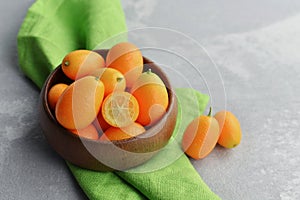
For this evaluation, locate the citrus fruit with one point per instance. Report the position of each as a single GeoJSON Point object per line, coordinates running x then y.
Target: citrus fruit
{"type": "Point", "coordinates": [230, 129]}
{"type": "Point", "coordinates": [126, 58]}
{"type": "Point", "coordinates": [200, 137]}
{"type": "Point", "coordinates": [152, 96]}
{"type": "Point", "coordinates": [112, 79]}
{"type": "Point", "coordinates": [79, 63]}
{"type": "Point", "coordinates": [89, 132]}
{"type": "Point", "coordinates": [120, 109]}
{"type": "Point", "coordinates": [54, 94]}
{"type": "Point", "coordinates": [100, 123]}
{"type": "Point", "coordinates": [114, 133]}
{"type": "Point", "coordinates": [79, 105]}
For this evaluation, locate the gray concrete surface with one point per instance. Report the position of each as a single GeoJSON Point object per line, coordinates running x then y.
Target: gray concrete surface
{"type": "Point", "coordinates": [255, 45]}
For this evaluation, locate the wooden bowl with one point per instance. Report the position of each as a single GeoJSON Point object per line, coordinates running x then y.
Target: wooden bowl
{"type": "Point", "coordinates": [106, 155]}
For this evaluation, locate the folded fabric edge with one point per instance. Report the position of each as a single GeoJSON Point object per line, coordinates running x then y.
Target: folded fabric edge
{"type": "Point", "coordinates": [195, 188]}
{"type": "Point", "coordinates": [103, 185]}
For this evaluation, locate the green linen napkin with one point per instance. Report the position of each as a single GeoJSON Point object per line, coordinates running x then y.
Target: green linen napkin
{"type": "Point", "coordinates": [53, 28]}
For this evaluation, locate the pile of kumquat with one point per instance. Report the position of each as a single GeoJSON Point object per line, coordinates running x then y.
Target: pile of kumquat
{"type": "Point", "coordinates": [108, 99]}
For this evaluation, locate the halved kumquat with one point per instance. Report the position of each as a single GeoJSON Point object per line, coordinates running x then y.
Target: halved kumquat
{"type": "Point", "coordinates": [120, 109]}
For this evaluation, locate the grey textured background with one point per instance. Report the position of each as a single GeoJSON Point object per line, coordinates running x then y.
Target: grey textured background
{"type": "Point", "coordinates": [255, 45]}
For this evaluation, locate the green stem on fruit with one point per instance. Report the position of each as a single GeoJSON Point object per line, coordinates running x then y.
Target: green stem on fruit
{"type": "Point", "coordinates": [149, 71]}
{"type": "Point", "coordinates": [119, 79]}
{"type": "Point", "coordinates": [67, 63]}
{"type": "Point", "coordinates": [209, 114]}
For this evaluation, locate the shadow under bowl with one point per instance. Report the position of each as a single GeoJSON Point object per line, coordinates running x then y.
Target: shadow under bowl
{"type": "Point", "coordinates": [106, 155]}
